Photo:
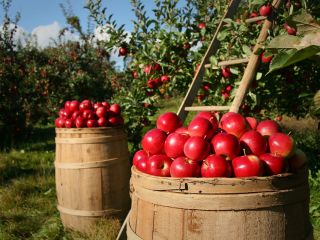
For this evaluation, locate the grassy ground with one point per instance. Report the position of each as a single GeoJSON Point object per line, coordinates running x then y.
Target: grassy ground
{"type": "Point", "coordinates": [27, 189]}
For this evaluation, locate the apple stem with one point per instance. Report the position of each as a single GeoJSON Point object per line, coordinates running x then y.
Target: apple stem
{"type": "Point", "coordinates": [289, 133]}
{"type": "Point", "coordinates": [244, 152]}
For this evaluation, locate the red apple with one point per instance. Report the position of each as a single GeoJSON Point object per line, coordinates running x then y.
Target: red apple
{"type": "Point", "coordinates": [174, 143]}
{"type": "Point", "coordinates": [253, 123]}
{"type": "Point", "coordinates": [142, 165]}
{"type": "Point", "coordinates": [215, 166]}
{"type": "Point", "coordinates": [225, 144]}
{"type": "Point", "coordinates": [183, 167]}
{"type": "Point", "coordinates": [69, 123]}
{"type": "Point", "coordinates": [265, 59]}
{"type": "Point", "coordinates": [74, 106]}
{"type": "Point", "coordinates": [247, 166]}
{"type": "Point", "coordinates": [210, 116]}
{"type": "Point", "coordinates": [140, 155]}
{"type": "Point", "coordinates": [87, 114]}
{"type": "Point", "coordinates": [115, 121]}
{"type": "Point", "coordinates": [66, 113]}
{"type": "Point", "coordinates": [196, 148]}
{"type": "Point", "coordinates": [298, 159]}
{"type": "Point", "coordinates": [91, 123]}
{"type": "Point", "coordinates": [290, 30]}
{"type": "Point", "coordinates": [234, 124]}
{"type": "Point", "coordinates": [102, 122]}
{"type": "Point", "coordinates": [265, 10]}
{"type": "Point", "coordinates": [201, 127]}
{"type": "Point", "coordinates": [85, 105]}
{"type": "Point", "coordinates": [123, 51]}
{"type": "Point", "coordinates": [268, 127]}
{"type": "Point", "coordinates": [101, 112]}
{"type": "Point", "coordinates": [61, 113]}
{"type": "Point", "coordinates": [80, 122]}
{"type": "Point", "coordinates": [159, 165]}
{"type": "Point", "coordinates": [76, 114]}
{"type": "Point", "coordinates": [274, 164]}
{"type": "Point", "coordinates": [156, 67]}
{"type": "Point", "coordinates": [168, 122]}
{"type": "Point", "coordinates": [165, 78]}
{"type": "Point", "coordinates": [147, 69]}
{"type": "Point", "coordinates": [182, 130]}
{"type": "Point", "coordinates": [153, 141]}
{"type": "Point", "coordinates": [97, 105]}
{"type": "Point", "coordinates": [253, 142]}
{"type": "Point", "coordinates": [226, 73]}
{"type": "Point", "coordinates": [281, 144]}
{"type": "Point", "coordinates": [115, 108]}
{"type": "Point", "coordinates": [67, 105]}
{"type": "Point", "coordinates": [254, 14]}
{"type": "Point", "coordinates": [224, 116]}
{"type": "Point", "coordinates": [201, 25]}
{"type": "Point", "coordinates": [60, 122]}
{"type": "Point", "coordinates": [106, 105]}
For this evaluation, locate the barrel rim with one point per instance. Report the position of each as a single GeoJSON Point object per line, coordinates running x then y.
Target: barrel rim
{"type": "Point", "coordinates": [87, 130]}
{"type": "Point", "coordinates": [219, 185]}
{"type": "Point", "coordinates": [134, 170]}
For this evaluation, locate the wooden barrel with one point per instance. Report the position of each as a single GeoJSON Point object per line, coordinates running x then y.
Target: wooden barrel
{"type": "Point", "coordinates": [92, 172]}
{"type": "Point", "coordinates": [264, 208]}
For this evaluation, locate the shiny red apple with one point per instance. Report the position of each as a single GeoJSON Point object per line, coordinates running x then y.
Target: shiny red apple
{"type": "Point", "coordinates": [174, 144]}
{"type": "Point", "coordinates": [196, 148]}
{"type": "Point", "coordinates": [253, 143]}
{"type": "Point", "coordinates": [168, 122]}
{"type": "Point", "coordinates": [201, 127]}
{"type": "Point", "coordinates": [234, 124]}
{"type": "Point", "coordinates": [247, 166]}
{"type": "Point", "coordinates": [215, 166]}
{"type": "Point", "coordinates": [153, 141]}
{"type": "Point", "coordinates": [159, 165]}
{"type": "Point", "coordinates": [281, 144]}
{"type": "Point", "coordinates": [139, 155]}
{"type": "Point", "coordinates": [183, 167]}
{"type": "Point", "coordinates": [274, 164]}
{"type": "Point", "coordinates": [225, 144]}
{"type": "Point", "coordinates": [268, 127]}
{"type": "Point", "coordinates": [253, 122]}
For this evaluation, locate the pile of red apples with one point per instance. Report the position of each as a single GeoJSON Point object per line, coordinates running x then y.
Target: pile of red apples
{"type": "Point", "coordinates": [235, 146]}
{"type": "Point", "coordinates": [88, 114]}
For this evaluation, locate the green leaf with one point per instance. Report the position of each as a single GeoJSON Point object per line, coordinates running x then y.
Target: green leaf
{"type": "Point", "coordinates": [287, 58]}
{"type": "Point", "coordinates": [246, 50]}
{"type": "Point", "coordinates": [284, 41]}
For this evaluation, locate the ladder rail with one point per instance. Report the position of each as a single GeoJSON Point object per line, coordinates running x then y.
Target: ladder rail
{"type": "Point", "coordinates": [213, 47]}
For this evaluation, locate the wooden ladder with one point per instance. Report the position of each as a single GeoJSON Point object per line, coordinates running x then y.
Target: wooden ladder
{"type": "Point", "coordinates": [249, 73]}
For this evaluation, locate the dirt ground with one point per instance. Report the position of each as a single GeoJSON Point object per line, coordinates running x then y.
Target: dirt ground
{"type": "Point", "coordinates": [301, 124]}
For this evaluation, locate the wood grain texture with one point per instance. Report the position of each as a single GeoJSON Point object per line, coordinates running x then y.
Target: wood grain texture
{"type": "Point", "coordinates": [92, 175]}
{"type": "Point", "coordinates": [279, 212]}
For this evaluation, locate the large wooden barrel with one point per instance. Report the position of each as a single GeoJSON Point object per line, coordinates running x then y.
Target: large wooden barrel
{"type": "Point", "coordinates": [264, 208]}
{"type": "Point", "coordinates": [92, 175]}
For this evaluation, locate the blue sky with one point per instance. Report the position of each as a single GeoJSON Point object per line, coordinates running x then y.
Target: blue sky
{"type": "Point", "coordinates": [45, 12]}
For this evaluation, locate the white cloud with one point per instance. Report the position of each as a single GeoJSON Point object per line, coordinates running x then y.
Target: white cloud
{"type": "Point", "coordinates": [46, 35]}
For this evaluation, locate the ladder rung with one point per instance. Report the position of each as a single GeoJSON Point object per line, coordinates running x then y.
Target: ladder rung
{"type": "Point", "coordinates": [207, 108]}
{"type": "Point", "coordinates": [255, 19]}
{"type": "Point", "coordinates": [229, 62]}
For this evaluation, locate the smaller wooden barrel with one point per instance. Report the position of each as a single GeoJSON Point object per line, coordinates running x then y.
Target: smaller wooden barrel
{"type": "Point", "coordinates": [264, 208]}
{"type": "Point", "coordinates": [92, 172]}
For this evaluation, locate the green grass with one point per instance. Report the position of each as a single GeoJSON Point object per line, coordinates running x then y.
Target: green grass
{"type": "Point", "coordinates": [28, 197]}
